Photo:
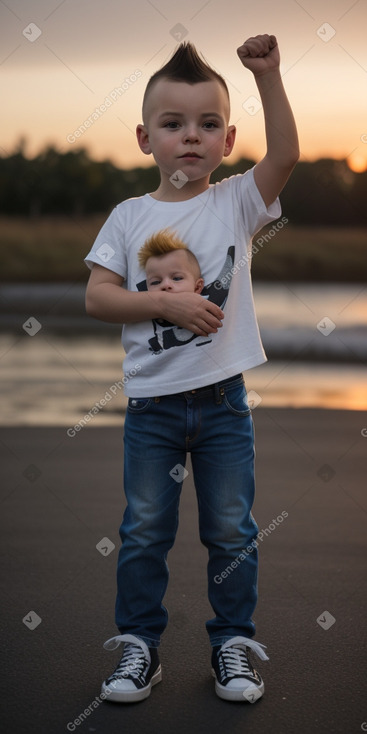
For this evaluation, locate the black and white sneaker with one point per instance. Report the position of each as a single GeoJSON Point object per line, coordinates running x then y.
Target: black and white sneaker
{"type": "Point", "coordinates": [138, 670]}
{"type": "Point", "coordinates": [236, 679]}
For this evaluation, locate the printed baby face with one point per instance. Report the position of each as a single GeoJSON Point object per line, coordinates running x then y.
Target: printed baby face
{"type": "Point", "coordinates": [172, 272]}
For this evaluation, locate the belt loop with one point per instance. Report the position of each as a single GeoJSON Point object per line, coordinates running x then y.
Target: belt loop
{"type": "Point", "coordinates": [218, 393]}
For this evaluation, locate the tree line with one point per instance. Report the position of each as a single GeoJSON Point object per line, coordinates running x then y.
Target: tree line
{"type": "Point", "coordinates": [322, 193]}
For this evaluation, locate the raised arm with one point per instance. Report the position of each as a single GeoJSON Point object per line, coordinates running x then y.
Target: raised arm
{"type": "Point", "coordinates": [106, 300]}
{"type": "Point", "coordinates": [261, 56]}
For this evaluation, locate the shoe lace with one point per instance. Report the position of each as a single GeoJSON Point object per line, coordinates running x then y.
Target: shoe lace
{"type": "Point", "coordinates": [234, 655]}
{"type": "Point", "coordinates": [134, 659]}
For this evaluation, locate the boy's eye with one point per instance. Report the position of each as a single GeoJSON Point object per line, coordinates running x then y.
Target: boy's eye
{"type": "Point", "coordinates": [172, 125]}
{"type": "Point", "coordinates": [155, 282]}
{"type": "Point", "coordinates": [210, 125]}
{"type": "Point", "coordinates": [177, 277]}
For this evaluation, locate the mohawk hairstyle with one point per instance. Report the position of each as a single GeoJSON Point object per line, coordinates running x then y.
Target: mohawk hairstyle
{"type": "Point", "coordinates": [185, 66]}
{"type": "Point", "coordinates": [161, 243]}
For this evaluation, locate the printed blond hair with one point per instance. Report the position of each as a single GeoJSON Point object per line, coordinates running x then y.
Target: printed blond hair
{"type": "Point", "coordinates": [161, 243]}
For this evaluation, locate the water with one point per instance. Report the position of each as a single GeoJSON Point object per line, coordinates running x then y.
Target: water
{"type": "Point", "coordinates": [59, 377]}
{"type": "Point", "coordinates": [326, 322]}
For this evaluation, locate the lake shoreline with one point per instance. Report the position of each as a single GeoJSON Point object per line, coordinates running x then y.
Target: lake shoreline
{"type": "Point", "coordinates": [291, 317]}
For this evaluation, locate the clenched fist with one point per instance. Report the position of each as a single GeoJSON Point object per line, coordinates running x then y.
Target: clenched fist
{"type": "Point", "coordinates": [260, 54]}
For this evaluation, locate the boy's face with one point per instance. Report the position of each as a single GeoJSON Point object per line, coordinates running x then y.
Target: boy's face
{"type": "Point", "coordinates": [186, 127]}
{"type": "Point", "coordinates": [172, 272]}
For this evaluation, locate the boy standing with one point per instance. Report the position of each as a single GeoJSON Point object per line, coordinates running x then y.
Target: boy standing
{"type": "Point", "coordinates": [191, 396]}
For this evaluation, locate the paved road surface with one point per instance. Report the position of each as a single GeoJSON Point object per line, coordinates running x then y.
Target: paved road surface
{"type": "Point", "coordinates": [61, 496]}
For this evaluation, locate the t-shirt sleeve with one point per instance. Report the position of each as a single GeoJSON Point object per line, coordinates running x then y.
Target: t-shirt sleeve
{"type": "Point", "coordinates": [109, 247]}
{"type": "Point", "coordinates": [252, 205]}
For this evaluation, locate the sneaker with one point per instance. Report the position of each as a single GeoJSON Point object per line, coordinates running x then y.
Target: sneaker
{"type": "Point", "coordinates": [236, 679]}
{"type": "Point", "coordinates": [138, 670]}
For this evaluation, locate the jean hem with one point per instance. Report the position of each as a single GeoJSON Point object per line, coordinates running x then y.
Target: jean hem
{"type": "Point", "coordinates": [149, 641]}
{"type": "Point", "coordinates": [224, 638]}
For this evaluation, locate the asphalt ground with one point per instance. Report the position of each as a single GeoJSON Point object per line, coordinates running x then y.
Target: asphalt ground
{"type": "Point", "coordinates": [62, 496]}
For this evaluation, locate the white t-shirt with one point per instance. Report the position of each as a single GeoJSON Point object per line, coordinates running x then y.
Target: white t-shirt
{"type": "Point", "coordinates": [217, 225]}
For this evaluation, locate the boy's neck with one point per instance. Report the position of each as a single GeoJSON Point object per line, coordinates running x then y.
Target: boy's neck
{"type": "Point", "coordinates": [167, 191]}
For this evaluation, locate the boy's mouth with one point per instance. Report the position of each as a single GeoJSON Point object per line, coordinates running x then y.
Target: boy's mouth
{"type": "Point", "coordinates": [190, 155]}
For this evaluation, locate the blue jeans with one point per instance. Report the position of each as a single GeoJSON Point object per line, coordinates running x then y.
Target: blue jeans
{"type": "Point", "coordinates": [215, 425]}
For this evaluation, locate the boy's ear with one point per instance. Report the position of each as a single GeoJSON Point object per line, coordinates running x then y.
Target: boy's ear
{"type": "Point", "coordinates": [199, 285]}
{"type": "Point", "coordinates": [143, 139]}
{"type": "Point", "coordinates": [230, 138]}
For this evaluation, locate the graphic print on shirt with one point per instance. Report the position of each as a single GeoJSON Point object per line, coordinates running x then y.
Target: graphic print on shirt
{"type": "Point", "coordinates": [167, 335]}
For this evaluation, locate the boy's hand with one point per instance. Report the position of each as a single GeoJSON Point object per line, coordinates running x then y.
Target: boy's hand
{"type": "Point", "coordinates": [260, 54]}
{"type": "Point", "coordinates": [192, 312]}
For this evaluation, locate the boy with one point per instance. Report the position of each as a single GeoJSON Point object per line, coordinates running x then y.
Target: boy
{"type": "Point", "coordinates": [184, 398]}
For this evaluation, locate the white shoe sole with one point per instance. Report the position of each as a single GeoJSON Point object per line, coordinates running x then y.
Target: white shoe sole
{"type": "Point", "coordinates": [132, 696]}
{"type": "Point", "coordinates": [249, 695]}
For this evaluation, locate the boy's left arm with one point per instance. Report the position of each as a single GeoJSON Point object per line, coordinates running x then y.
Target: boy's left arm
{"type": "Point", "coordinates": [261, 56]}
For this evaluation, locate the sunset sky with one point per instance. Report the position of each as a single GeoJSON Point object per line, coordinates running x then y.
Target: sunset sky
{"type": "Point", "coordinates": [61, 60]}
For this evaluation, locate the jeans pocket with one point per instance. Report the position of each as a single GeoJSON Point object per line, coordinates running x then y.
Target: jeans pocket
{"type": "Point", "coordinates": [235, 399]}
{"type": "Point", "coordinates": [138, 405]}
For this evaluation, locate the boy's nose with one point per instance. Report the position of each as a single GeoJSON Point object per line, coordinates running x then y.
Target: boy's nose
{"type": "Point", "coordinates": [191, 134]}
{"type": "Point", "coordinates": [166, 285]}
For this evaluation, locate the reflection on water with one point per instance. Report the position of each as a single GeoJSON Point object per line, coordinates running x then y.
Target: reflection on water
{"type": "Point", "coordinates": [322, 322]}
{"type": "Point", "coordinates": [54, 380]}
{"type": "Point", "coordinates": [304, 304]}
{"type": "Point", "coordinates": [308, 385]}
